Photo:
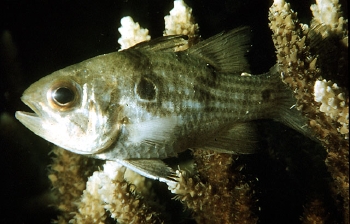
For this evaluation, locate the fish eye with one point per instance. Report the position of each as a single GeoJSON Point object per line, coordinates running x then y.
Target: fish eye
{"type": "Point", "coordinates": [63, 96]}
{"type": "Point", "coordinates": [146, 89]}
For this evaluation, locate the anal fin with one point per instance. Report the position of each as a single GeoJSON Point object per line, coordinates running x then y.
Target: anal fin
{"type": "Point", "coordinates": [240, 138]}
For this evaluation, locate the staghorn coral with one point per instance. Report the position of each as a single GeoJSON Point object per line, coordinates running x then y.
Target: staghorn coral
{"type": "Point", "coordinates": [314, 212]}
{"type": "Point", "coordinates": [333, 103]}
{"type": "Point", "coordinates": [219, 192]}
{"type": "Point", "coordinates": [68, 174]}
{"type": "Point", "coordinates": [131, 33]}
{"type": "Point", "coordinates": [181, 21]}
{"type": "Point", "coordinates": [322, 102]}
{"type": "Point", "coordinates": [85, 197]}
{"type": "Point", "coordinates": [197, 179]}
{"type": "Point", "coordinates": [108, 191]}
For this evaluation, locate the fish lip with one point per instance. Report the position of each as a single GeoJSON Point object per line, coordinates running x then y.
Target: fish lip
{"type": "Point", "coordinates": [32, 106]}
{"type": "Point", "coordinates": [27, 114]}
{"type": "Point", "coordinates": [29, 117]}
{"type": "Point", "coordinates": [33, 121]}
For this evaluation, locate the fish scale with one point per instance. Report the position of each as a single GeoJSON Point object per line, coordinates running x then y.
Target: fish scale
{"type": "Point", "coordinates": [148, 102]}
{"type": "Point", "coordinates": [233, 98]}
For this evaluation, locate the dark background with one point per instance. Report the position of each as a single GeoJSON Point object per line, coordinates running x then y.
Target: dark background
{"type": "Point", "coordinates": [40, 37]}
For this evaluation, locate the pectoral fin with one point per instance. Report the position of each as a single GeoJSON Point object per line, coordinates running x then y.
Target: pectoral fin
{"type": "Point", "coordinates": [238, 139]}
{"type": "Point", "coordinates": [150, 168]}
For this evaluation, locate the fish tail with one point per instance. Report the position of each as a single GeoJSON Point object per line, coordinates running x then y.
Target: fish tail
{"type": "Point", "coordinates": [294, 119]}
{"type": "Point", "coordinates": [288, 114]}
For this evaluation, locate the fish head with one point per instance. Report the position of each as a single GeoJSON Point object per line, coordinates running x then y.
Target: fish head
{"type": "Point", "coordinates": [106, 107]}
{"type": "Point", "coordinates": [74, 108]}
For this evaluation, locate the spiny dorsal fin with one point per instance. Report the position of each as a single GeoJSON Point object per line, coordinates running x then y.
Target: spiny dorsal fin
{"type": "Point", "coordinates": [238, 139]}
{"type": "Point", "coordinates": [166, 43]}
{"type": "Point", "coordinates": [225, 51]}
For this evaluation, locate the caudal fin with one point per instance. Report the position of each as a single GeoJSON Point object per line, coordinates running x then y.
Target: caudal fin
{"type": "Point", "coordinates": [294, 119]}
{"type": "Point", "coordinates": [288, 114]}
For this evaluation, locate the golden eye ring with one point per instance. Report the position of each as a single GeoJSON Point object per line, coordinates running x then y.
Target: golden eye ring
{"type": "Point", "coordinates": [63, 95]}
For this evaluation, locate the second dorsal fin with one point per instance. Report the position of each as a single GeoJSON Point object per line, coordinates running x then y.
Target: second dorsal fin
{"type": "Point", "coordinates": [225, 51]}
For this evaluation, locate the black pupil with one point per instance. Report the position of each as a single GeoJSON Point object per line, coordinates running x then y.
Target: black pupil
{"type": "Point", "coordinates": [63, 95]}
{"type": "Point", "coordinates": [146, 89]}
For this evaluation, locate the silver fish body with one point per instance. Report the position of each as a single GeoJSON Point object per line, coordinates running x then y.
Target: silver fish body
{"type": "Point", "coordinates": [149, 102]}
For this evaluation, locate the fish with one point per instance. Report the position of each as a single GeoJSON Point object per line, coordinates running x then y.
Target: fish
{"type": "Point", "coordinates": [150, 102]}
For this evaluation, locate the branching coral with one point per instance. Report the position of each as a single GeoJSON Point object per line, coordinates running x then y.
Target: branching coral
{"type": "Point", "coordinates": [217, 191]}
{"type": "Point", "coordinates": [84, 199]}
{"type": "Point", "coordinates": [68, 175]}
{"type": "Point", "coordinates": [131, 33]}
{"type": "Point", "coordinates": [108, 191]}
{"type": "Point", "coordinates": [181, 21]}
{"type": "Point", "coordinates": [322, 102]}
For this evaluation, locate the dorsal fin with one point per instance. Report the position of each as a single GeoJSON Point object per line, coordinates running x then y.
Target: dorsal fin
{"type": "Point", "coordinates": [225, 51]}
{"type": "Point", "coordinates": [165, 43]}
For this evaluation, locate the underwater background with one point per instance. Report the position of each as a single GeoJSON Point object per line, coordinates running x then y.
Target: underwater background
{"type": "Point", "coordinates": [40, 37]}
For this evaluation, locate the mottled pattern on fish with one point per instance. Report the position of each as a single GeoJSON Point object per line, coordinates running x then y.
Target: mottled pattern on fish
{"type": "Point", "coordinates": [197, 98]}
{"type": "Point", "coordinates": [149, 102]}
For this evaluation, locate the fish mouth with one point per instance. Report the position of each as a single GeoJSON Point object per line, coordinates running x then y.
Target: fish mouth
{"type": "Point", "coordinates": [30, 119]}
{"type": "Point", "coordinates": [22, 116]}
{"type": "Point", "coordinates": [25, 114]}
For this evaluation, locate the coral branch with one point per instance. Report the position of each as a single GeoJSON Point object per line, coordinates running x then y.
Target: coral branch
{"type": "Point", "coordinates": [314, 212]}
{"type": "Point", "coordinates": [131, 33]}
{"type": "Point", "coordinates": [181, 21]}
{"type": "Point", "coordinates": [324, 103]}
{"type": "Point", "coordinates": [68, 174]}
{"type": "Point", "coordinates": [219, 192]}
{"type": "Point", "coordinates": [107, 190]}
